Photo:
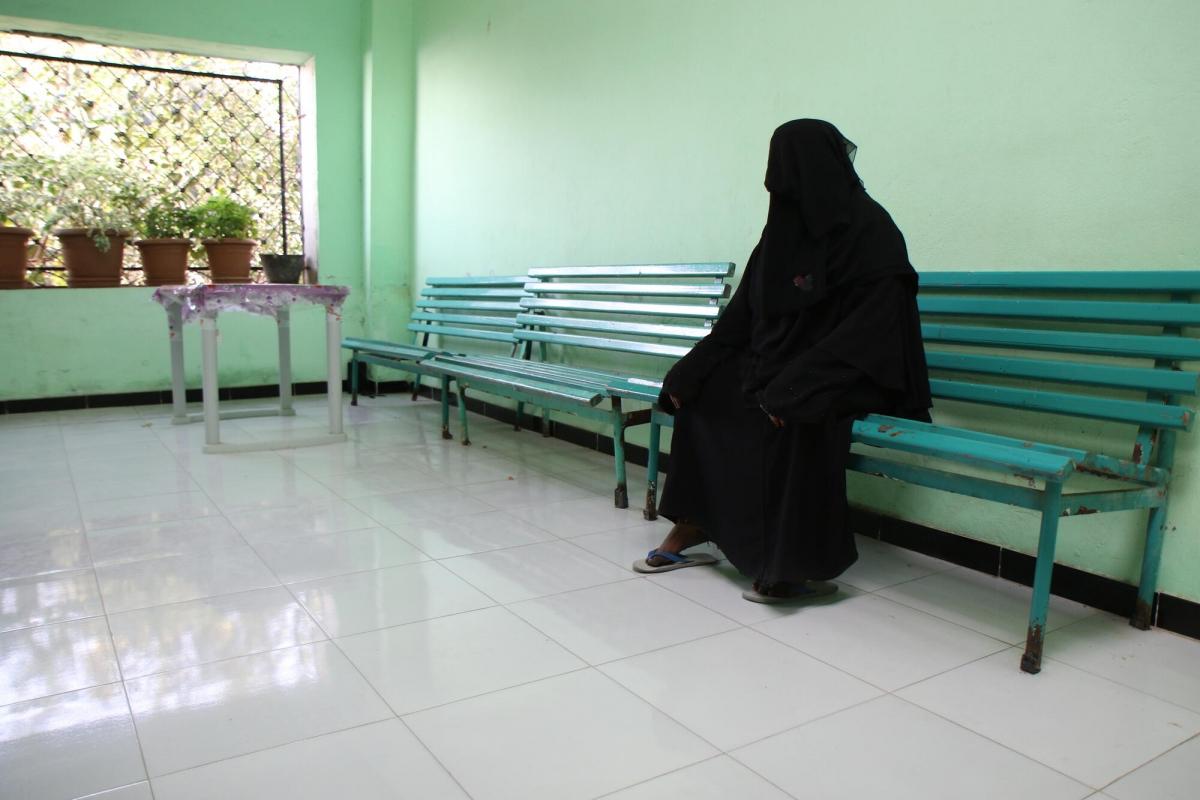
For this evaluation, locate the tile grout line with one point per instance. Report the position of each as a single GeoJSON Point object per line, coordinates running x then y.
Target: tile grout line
{"type": "Point", "coordinates": [112, 642]}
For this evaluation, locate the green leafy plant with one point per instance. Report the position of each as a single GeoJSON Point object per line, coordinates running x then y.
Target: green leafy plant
{"type": "Point", "coordinates": [97, 196]}
{"type": "Point", "coordinates": [167, 219]}
{"type": "Point", "coordinates": [221, 217]}
{"type": "Point", "coordinates": [27, 191]}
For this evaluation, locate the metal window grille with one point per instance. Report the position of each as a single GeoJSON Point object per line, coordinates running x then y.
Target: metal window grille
{"type": "Point", "coordinates": [191, 125]}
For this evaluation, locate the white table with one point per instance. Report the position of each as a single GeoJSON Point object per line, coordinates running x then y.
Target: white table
{"type": "Point", "coordinates": [204, 304]}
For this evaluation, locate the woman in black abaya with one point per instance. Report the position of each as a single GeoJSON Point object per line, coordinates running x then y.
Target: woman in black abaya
{"type": "Point", "coordinates": [822, 329]}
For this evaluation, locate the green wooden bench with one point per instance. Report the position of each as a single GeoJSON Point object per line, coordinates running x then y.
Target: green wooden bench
{"type": "Point", "coordinates": [470, 310]}
{"type": "Point", "coordinates": [618, 320]}
{"type": "Point", "coordinates": [1105, 346]}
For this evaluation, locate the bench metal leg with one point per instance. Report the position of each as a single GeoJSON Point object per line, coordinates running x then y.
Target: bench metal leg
{"type": "Point", "coordinates": [621, 495]}
{"type": "Point", "coordinates": [1144, 607]}
{"type": "Point", "coordinates": [416, 386]}
{"type": "Point", "coordinates": [1031, 662]}
{"type": "Point", "coordinates": [462, 413]}
{"type": "Point", "coordinates": [446, 408]}
{"type": "Point", "coordinates": [546, 422]}
{"type": "Point", "coordinates": [650, 511]}
{"type": "Point", "coordinates": [520, 413]}
{"type": "Point", "coordinates": [354, 378]}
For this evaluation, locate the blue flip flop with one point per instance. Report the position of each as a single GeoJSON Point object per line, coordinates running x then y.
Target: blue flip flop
{"type": "Point", "coordinates": [674, 561]}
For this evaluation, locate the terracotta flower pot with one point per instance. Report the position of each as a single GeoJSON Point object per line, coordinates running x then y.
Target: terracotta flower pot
{"type": "Point", "coordinates": [229, 259]}
{"type": "Point", "coordinates": [87, 265]}
{"type": "Point", "coordinates": [164, 261]}
{"type": "Point", "coordinates": [14, 250]}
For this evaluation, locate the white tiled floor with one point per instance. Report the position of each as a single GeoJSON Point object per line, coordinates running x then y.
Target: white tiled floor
{"type": "Point", "coordinates": [402, 617]}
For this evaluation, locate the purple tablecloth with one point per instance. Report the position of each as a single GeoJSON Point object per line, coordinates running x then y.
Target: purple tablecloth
{"type": "Point", "coordinates": [253, 298]}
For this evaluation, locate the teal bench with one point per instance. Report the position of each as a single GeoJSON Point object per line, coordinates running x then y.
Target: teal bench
{"type": "Point", "coordinates": [640, 318]}
{"type": "Point", "coordinates": [472, 311]}
{"type": "Point", "coordinates": [1105, 346]}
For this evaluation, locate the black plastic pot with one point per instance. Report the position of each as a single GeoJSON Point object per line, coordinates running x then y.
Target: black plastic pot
{"type": "Point", "coordinates": [281, 268]}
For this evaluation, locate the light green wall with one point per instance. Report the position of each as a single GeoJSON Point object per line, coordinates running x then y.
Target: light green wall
{"type": "Point", "coordinates": [44, 348]}
{"type": "Point", "coordinates": [1013, 134]}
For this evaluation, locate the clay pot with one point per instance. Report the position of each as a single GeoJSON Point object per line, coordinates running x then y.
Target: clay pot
{"type": "Point", "coordinates": [14, 250]}
{"type": "Point", "coordinates": [282, 268]}
{"type": "Point", "coordinates": [88, 266]}
{"type": "Point", "coordinates": [164, 261]}
{"type": "Point", "coordinates": [229, 259]}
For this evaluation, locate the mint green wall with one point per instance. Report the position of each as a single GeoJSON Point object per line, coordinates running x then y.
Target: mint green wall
{"type": "Point", "coordinates": [1010, 134]}
{"type": "Point", "coordinates": [44, 348]}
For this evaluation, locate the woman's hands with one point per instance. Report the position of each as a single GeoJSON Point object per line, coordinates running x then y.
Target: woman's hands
{"type": "Point", "coordinates": [675, 399]}
{"type": "Point", "coordinates": [776, 421]}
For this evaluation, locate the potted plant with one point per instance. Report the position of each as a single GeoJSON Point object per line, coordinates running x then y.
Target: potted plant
{"type": "Point", "coordinates": [282, 268]}
{"type": "Point", "coordinates": [100, 203]}
{"type": "Point", "coordinates": [164, 244]}
{"type": "Point", "coordinates": [25, 196]}
{"type": "Point", "coordinates": [224, 227]}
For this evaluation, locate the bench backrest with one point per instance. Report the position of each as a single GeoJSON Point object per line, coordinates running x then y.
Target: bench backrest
{"type": "Point", "coordinates": [1102, 345]}
{"type": "Point", "coordinates": [481, 307]}
{"type": "Point", "coordinates": [644, 310]}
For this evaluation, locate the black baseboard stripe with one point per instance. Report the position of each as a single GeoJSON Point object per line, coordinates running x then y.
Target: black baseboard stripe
{"type": "Point", "coordinates": [1170, 613]}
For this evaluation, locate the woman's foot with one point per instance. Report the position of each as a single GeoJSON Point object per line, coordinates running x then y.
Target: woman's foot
{"type": "Point", "coordinates": [782, 592]}
{"type": "Point", "coordinates": [682, 536]}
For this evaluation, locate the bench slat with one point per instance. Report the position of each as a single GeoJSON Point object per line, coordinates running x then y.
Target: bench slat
{"type": "Point", "coordinates": [716, 269]}
{"type": "Point", "coordinates": [1089, 280]}
{"type": "Point", "coordinates": [1020, 461]}
{"type": "Point", "coordinates": [1144, 378]}
{"type": "Point", "coordinates": [1172, 348]}
{"type": "Point", "coordinates": [462, 333]}
{"type": "Point", "coordinates": [464, 319]}
{"type": "Point", "coordinates": [478, 280]}
{"type": "Point", "coordinates": [597, 343]}
{"type": "Point", "coordinates": [386, 348]}
{"type": "Point", "coordinates": [616, 307]}
{"type": "Point", "coordinates": [1156, 415]}
{"type": "Point", "coordinates": [632, 289]}
{"type": "Point", "coordinates": [551, 369]}
{"type": "Point", "coordinates": [589, 396]}
{"type": "Point", "coordinates": [468, 305]}
{"type": "Point", "coordinates": [1133, 313]}
{"type": "Point", "coordinates": [462, 292]}
{"type": "Point", "coordinates": [528, 369]}
{"type": "Point", "coordinates": [693, 333]}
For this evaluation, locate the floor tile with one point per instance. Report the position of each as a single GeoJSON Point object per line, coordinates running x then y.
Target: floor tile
{"type": "Point", "coordinates": [41, 520]}
{"type": "Point", "coordinates": [181, 635]}
{"type": "Point", "coordinates": [719, 778]}
{"type": "Point", "coordinates": [43, 555]}
{"type": "Point", "coordinates": [472, 533]}
{"type": "Point", "coordinates": [441, 660]}
{"type": "Point", "coordinates": [203, 714]}
{"type": "Point", "coordinates": [902, 753]}
{"type": "Point", "coordinates": [284, 524]}
{"type": "Point", "coordinates": [882, 642]}
{"type": "Point", "coordinates": [625, 545]}
{"type": "Point", "coordinates": [146, 510]}
{"type": "Point", "coordinates": [575, 736]}
{"type": "Point", "coordinates": [69, 745]}
{"type": "Point", "coordinates": [399, 509]}
{"type": "Point", "coordinates": [381, 480]}
{"type": "Point", "coordinates": [176, 579]}
{"type": "Point", "coordinates": [255, 494]}
{"type": "Point", "coordinates": [381, 761]}
{"type": "Point", "coordinates": [120, 483]}
{"type": "Point", "coordinates": [41, 600]}
{"type": "Point", "coordinates": [35, 662]}
{"type": "Point", "coordinates": [1160, 663]}
{"type": "Point", "coordinates": [620, 619]}
{"type": "Point", "coordinates": [526, 490]}
{"type": "Point", "coordinates": [881, 564]}
{"type": "Point", "coordinates": [989, 605]}
{"type": "Point", "coordinates": [187, 537]}
{"type": "Point", "coordinates": [737, 687]}
{"type": "Point", "coordinates": [1086, 727]}
{"type": "Point", "coordinates": [365, 601]}
{"type": "Point", "coordinates": [582, 516]}
{"type": "Point", "coordinates": [534, 570]}
{"type": "Point", "coordinates": [1172, 776]}
{"type": "Point", "coordinates": [330, 554]}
